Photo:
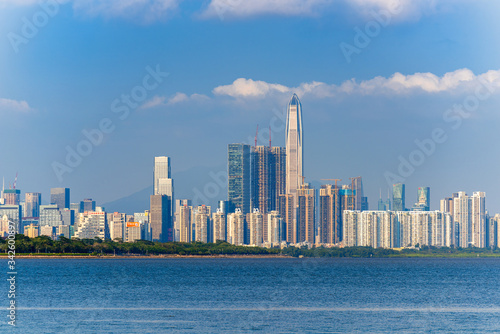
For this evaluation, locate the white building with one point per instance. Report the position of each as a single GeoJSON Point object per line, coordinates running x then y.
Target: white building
{"type": "Point", "coordinates": [219, 225]}
{"type": "Point", "coordinates": [256, 227]}
{"type": "Point", "coordinates": [236, 228]}
{"type": "Point", "coordinates": [389, 229]}
{"type": "Point", "coordinates": [91, 225]}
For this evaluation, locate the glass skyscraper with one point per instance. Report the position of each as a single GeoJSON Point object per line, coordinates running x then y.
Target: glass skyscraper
{"type": "Point", "coordinates": [398, 197]}
{"type": "Point", "coordinates": [238, 164]}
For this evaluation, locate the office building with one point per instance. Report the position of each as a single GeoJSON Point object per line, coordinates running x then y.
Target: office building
{"type": "Point", "coordinates": [423, 199]}
{"type": "Point", "coordinates": [60, 197]}
{"type": "Point", "coordinates": [260, 178]}
{"type": "Point", "coordinates": [160, 218]}
{"type": "Point", "coordinates": [11, 196]}
{"type": "Point", "coordinates": [50, 216]}
{"type": "Point", "coordinates": [87, 205]}
{"type": "Point", "coordinates": [293, 142]}
{"type": "Point", "coordinates": [239, 171]}
{"type": "Point", "coordinates": [162, 178]}
{"type": "Point", "coordinates": [398, 197]}
{"type": "Point", "coordinates": [32, 203]}
{"type": "Point", "coordinates": [277, 176]}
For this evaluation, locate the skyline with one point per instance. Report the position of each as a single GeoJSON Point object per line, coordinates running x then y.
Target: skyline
{"type": "Point", "coordinates": [249, 67]}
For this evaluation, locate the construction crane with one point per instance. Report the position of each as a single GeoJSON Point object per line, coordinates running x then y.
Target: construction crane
{"type": "Point", "coordinates": [15, 182]}
{"type": "Point", "coordinates": [270, 137]}
{"type": "Point", "coordinates": [336, 180]}
{"type": "Point", "coordinates": [303, 178]}
{"type": "Point", "coordinates": [256, 134]}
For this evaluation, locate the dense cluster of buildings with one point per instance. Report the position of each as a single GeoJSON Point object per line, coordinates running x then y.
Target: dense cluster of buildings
{"type": "Point", "coordinates": [268, 204]}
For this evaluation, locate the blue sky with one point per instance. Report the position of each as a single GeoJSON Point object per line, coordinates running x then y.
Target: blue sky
{"type": "Point", "coordinates": [233, 64]}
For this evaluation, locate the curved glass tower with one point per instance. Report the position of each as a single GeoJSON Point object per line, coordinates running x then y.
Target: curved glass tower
{"type": "Point", "coordinates": [293, 142]}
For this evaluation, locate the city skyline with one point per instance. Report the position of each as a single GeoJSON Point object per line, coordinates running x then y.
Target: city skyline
{"type": "Point", "coordinates": [365, 112]}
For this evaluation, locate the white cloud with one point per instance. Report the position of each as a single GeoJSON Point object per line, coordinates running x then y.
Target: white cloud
{"type": "Point", "coordinates": [248, 88]}
{"type": "Point", "coordinates": [142, 10]}
{"type": "Point", "coordinates": [243, 8]}
{"type": "Point", "coordinates": [157, 101]}
{"type": "Point", "coordinates": [145, 10]}
{"type": "Point", "coordinates": [459, 81]}
{"type": "Point", "coordinates": [14, 106]}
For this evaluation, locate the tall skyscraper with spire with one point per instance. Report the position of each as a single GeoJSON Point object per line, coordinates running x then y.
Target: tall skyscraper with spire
{"type": "Point", "coordinates": [294, 167]}
{"type": "Point", "coordinates": [293, 142]}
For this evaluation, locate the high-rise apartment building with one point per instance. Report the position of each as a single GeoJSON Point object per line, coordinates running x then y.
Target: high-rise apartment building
{"type": "Point", "coordinates": [239, 171]}
{"type": "Point", "coordinates": [470, 219]}
{"type": "Point", "coordinates": [201, 222]}
{"type": "Point", "coordinates": [287, 211]}
{"type": "Point", "coordinates": [330, 215]}
{"type": "Point", "coordinates": [185, 231]}
{"type": "Point", "coordinates": [219, 225]}
{"type": "Point", "coordinates": [60, 197]}
{"type": "Point", "coordinates": [274, 228]}
{"type": "Point", "coordinates": [306, 214]}
{"type": "Point", "coordinates": [236, 226]}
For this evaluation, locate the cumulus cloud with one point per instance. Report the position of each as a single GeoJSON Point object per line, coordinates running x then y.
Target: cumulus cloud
{"type": "Point", "coordinates": [249, 88]}
{"type": "Point", "coordinates": [459, 81]}
{"type": "Point", "coordinates": [177, 98]}
{"type": "Point", "coordinates": [14, 106]}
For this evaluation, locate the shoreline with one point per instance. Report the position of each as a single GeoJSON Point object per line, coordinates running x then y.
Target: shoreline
{"type": "Point", "coordinates": [166, 256]}
{"type": "Point", "coordinates": [239, 256]}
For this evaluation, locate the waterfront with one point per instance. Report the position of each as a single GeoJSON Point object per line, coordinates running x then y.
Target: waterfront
{"type": "Point", "coordinates": [263, 295]}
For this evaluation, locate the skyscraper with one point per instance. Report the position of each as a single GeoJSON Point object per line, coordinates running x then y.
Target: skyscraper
{"type": "Point", "coordinates": [423, 199]}
{"type": "Point", "coordinates": [11, 196]}
{"type": "Point", "coordinates": [161, 218]}
{"type": "Point", "coordinates": [60, 197]}
{"type": "Point", "coordinates": [470, 219]}
{"type": "Point", "coordinates": [294, 142]}
{"type": "Point", "coordinates": [398, 197]}
{"type": "Point", "coordinates": [260, 178]}
{"type": "Point", "coordinates": [162, 179]}
{"type": "Point", "coordinates": [277, 175]}
{"type": "Point", "coordinates": [306, 214]}
{"type": "Point", "coordinates": [330, 215]}
{"type": "Point", "coordinates": [238, 192]}
{"type": "Point", "coordinates": [32, 204]}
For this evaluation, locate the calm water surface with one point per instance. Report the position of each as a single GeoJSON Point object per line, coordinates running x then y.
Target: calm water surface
{"type": "Point", "coordinates": [257, 295]}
